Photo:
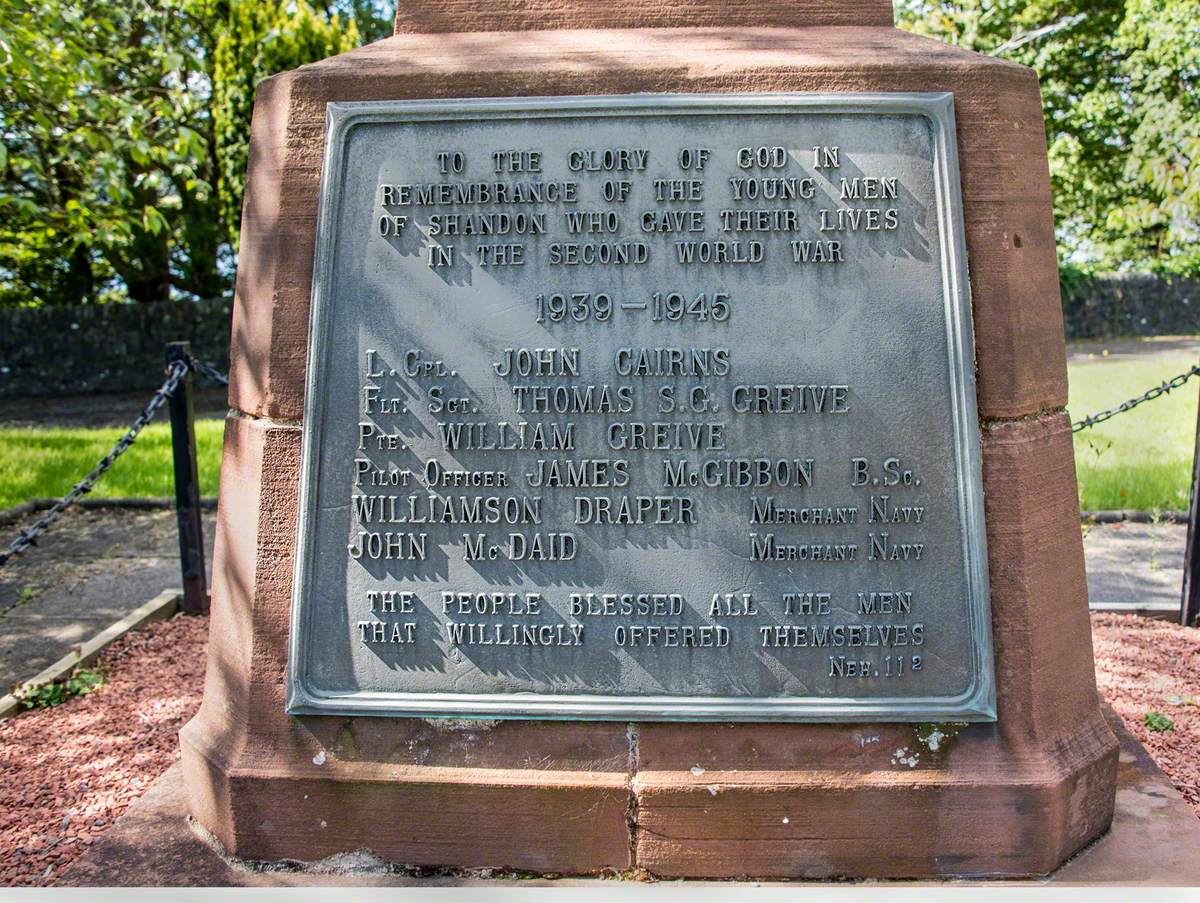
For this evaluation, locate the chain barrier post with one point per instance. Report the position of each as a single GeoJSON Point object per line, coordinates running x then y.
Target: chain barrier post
{"type": "Point", "coordinates": [187, 485]}
{"type": "Point", "coordinates": [1189, 603]}
{"type": "Point", "coordinates": [29, 535]}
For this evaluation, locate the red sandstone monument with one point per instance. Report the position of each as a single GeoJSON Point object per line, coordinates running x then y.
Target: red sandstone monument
{"type": "Point", "coordinates": [1010, 794]}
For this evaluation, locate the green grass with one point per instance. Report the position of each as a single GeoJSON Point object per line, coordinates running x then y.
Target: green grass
{"type": "Point", "coordinates": [44, 463]}
{"type": "Point", "coordinates": [1142, 458]}
{"type": "Point", "coordinates": [1139, 459]}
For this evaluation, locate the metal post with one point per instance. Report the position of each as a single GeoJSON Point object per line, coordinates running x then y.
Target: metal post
{"type": "Point", "coordinates": [1189, 605]}
{"type": "Point", "coordinates": [187, 488]}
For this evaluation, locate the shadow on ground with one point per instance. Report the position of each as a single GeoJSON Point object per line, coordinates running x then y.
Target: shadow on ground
{"type": "Point", "coordinates": [93, 567]}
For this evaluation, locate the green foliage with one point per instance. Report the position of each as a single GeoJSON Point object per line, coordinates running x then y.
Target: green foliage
{"type": "Point", "coordinates": [260, 39]}
{"type": "Point", "coordinates": [1161, 42]}
{"type": "Point", "coordinates": [121, 159]}
{"type": "Point", "coordinates": [1158, 722]}
{"type": "Point", "coordinates": [372, 18]}
{"type": "Point", "coordinates": [1119, 82]}
{"type": "Point", "coordinates": [1074, 282]}
{"type": "Point", "coordinates": [81, 682]}
{"type": "Point", "coordinates": [124, 128]}
{"type": "Point", "coordinates": [107, 180]}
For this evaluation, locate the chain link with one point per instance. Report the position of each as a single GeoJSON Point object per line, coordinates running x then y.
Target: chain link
{"type": "Point", "coordinates": [28, 537]}
{"type": "Point", "coordinates": [1149, 395]}
{"type": "Point", "coordinates": [207, 369]}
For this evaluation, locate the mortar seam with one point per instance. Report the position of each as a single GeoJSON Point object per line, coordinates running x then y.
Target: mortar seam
{"type": "Point", "coordinates": [237, 414]}
{"type": "Point", "coordinates": [633, 734]}
{"type": "Point", "coordinates": [1041, 413]}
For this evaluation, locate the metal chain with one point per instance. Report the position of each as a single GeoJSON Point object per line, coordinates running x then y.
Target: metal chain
{"type": "Point", "coordinates": [179, 369]}
{"type": "Point", "coordinates": [28, 537]}
{"type": "Point", "coordinates": [210, 371]}
{"type": "Point", "coordinates": [1149, 395]}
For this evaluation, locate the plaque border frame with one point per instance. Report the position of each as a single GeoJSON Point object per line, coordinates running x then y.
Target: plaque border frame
{"type": "Point", "coordinates": [977, 703]}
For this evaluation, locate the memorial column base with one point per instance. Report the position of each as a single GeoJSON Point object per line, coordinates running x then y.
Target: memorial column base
{"type": "Point", "coordinates": [860, 810]}
{"type": "Point", "coordinates": [1016, 797]}
{"type": "Point", "coordinates": [1011, 798]}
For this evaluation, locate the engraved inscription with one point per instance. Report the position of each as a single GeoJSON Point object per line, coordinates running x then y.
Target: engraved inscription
{"type": "Point", "coordinates": [650, 407]}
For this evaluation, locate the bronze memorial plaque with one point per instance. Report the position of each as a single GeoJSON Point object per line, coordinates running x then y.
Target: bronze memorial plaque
{"type": "Point", "coordinates": [652, 407]}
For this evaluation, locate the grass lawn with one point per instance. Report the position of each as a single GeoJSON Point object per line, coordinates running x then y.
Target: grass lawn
{"type": "Point", "coordinates": [46, 462]}
{"type": "Point", "coordinates": [1139, 459]}
{"type": "Point", "coordinates": [1142, 458]}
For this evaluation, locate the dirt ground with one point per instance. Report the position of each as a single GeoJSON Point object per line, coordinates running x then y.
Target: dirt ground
{"type": "Point", "coordinates": [72, 770]}
{"type": "Point", "coordinates": [1145, 666]}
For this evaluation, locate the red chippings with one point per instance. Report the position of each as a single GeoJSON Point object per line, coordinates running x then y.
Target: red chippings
{"type": "Point", "coordinates": [1145, 666]}
{"type": "Point", "coordinates": [71, 770]}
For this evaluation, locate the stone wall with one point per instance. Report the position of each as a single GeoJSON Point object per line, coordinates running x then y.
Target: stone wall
{"type": "Point", "coordinates": [104, 347]}
{"type": "Point", "coordinates": [119, 347]}
{"type": "Point", "coordinates": [1108, 307]}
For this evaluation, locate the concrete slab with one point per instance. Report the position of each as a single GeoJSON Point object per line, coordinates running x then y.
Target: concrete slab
{"type": "Point", "coordinates": [1135, 568]}
{"type": "Point", "coordinates": [91, 569]}
{"type": "Point", "coordinates": [1152, 836]}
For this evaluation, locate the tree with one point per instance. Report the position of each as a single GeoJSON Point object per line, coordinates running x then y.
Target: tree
{"type": "Point", "coordinates": [1160, 220]}
{"type": "Point", "coordinates": [260, 39]}
{"type": "Point", "coordinates": [103, 160]}
{"type": "Point", "coordinates": [372, 18]}
{"type": "Point", "coordinates": [1119, 84]}
{"type": "Point", "coordinates": [121, 152]}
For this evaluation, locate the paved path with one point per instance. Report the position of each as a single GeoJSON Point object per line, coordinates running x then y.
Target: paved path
{"type": "Point", "coordinates": [93, 568]}
{"type": "Point", "coordinates": [1127, 349]}
{"type": "Point", "coordinates": [1135, 567]}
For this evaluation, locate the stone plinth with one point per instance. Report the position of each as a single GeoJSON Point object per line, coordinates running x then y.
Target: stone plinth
{"type": "Point", "coordinates": [1014, 797]}
{"type": "Point", "coordinates": [152, 844]}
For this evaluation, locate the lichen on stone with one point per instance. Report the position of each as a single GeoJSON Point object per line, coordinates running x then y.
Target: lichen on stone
{"type": "Point", "coordinates": [937, 738]}
{"type": "Point", "coordinates": [452, 725]}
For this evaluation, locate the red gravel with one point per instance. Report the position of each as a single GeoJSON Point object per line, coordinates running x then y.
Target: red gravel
{"type": "Point", "coordinates": [1147, 666]}
{"type": "Point", "coordinates": [82, 763]}
{"type": "Point", "coordinates": [72, 769]}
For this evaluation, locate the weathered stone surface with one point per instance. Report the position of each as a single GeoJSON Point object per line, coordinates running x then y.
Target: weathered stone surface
{"type": "Point", "coordinates": [525, 794]}
{"type": "Point", "coordinates": [713, 799]}
{"type": "Point", "coordinates": [515, 15]}
{"type": "Point", "coordinates": [1015, 797]}
{"type": "Point", "coordinates": [153, 845]}
{"type": "Point", "coordinates": [1131, 304]}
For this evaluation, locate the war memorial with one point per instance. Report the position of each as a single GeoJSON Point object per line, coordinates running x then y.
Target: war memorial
{"type": "Point", "coordinates": [647, 452]}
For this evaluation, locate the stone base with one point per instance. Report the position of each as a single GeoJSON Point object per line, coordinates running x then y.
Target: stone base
{"type": "Point", "coordinates": [153, 845]}
{"type": "Point", "coordinates": [1016, 797]}
{"type": "Point", "coordinates": [697, 801]}
{"type": "Point", "coordinates": [1012, 798]}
